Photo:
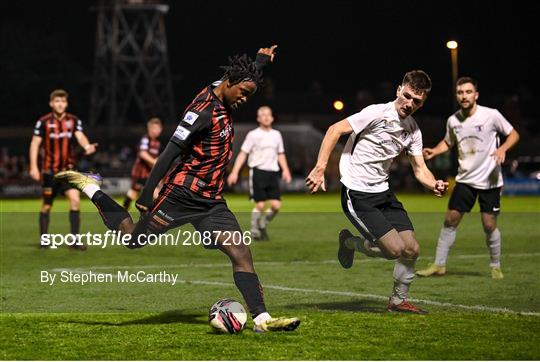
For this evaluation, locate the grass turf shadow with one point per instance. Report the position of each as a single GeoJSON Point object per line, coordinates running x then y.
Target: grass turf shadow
{"type": "Point", "coordinates": [173, 316]}
{"type": "Point", "coordinates": [368, 306]}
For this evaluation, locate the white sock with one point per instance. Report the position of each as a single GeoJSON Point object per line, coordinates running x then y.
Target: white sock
{"type": "Point", "coordinates": [403, 277]}
{"type": "Point", "coordinates": [269, 214]}
{"type": "Point", "coordinates": [263, 317]}
{"type": "Point", "coordinates": [255, 215]}
{"type": "Point", "coordinates": [364, 246]}
{"type": "Point", "coordinates": [266, 218]}
{"type": "Point", "coordinates": [446, 240]}
{"type": "Point", "coordinates": [90, 190]}
{"type": "Point", "coordinates": [493, 242]}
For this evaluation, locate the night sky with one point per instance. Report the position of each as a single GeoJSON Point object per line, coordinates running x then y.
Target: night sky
{"type": "Point", "coordinates": [345, 46]}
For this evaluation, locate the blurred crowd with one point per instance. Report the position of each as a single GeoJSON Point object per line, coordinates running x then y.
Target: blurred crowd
{"type": "Point", "coordinates": [111, 161]}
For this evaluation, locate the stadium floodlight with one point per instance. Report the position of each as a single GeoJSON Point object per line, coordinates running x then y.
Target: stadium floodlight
{"type": "Point", "coordinates": [338, 105]}
{"type": "Point", "coordinates": [452, 44]}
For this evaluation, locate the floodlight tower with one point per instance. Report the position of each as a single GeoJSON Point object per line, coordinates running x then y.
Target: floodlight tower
{"type": "Point", "coordinates": [132, 79]}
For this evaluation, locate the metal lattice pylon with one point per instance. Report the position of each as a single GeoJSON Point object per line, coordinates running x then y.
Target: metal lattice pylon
{"type": "Point", "coordinates": [132, 79]}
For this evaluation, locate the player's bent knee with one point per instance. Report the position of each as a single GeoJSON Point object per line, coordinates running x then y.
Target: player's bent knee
{"type": "Point", "coordinates": [275, 205]}
{"type": "Point", "coordinates": [411, 252]}
{"type": "Point", "coordinates": [488, 229]}
{"type": "Point", "coordinates": [393, 252]}
{"type": "Point", "coordinates": [240, 256]}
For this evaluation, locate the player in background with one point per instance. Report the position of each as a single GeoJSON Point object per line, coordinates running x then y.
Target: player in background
{"type": "Point", "coordinates": [475, 131]}
{"type": "Point", "coordinates": [378, 134]}
{"type": "Point", "coordinates": [147, 155]}
{"type": "Point", "coordinates": [195, 160]}
{"type": "Point", "coordinates": [265, 154]}
{"type": "Point", "coordinates": [55, 132]}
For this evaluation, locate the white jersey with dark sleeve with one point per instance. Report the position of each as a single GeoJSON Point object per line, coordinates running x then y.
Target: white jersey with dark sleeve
{"type": "Point", "coordinates": [477, 137]}
{"type": "Point", "coordinates": [263, 148]}
{"type": "Point", "coordinates": [378, 136]}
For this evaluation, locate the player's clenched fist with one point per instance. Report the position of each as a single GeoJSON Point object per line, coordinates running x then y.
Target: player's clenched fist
{"type": "Point", "coordinates": [428, 153]}
{"type": "Point", "coordinates": [440, 188]}
{"type": "Point", "coordinates": [271, 52]}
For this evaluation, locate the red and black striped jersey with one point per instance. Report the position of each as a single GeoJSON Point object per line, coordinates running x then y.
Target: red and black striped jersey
{"type": "Point", "coordinates": [141, 169]}
{"type": "Point", "coordinates": [58, 138]}
{"type": "Point", "coordinates": [205, 133]}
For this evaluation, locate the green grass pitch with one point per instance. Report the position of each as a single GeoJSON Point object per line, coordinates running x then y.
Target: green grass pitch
{"type": "Point", "coordinates": [342, 311]}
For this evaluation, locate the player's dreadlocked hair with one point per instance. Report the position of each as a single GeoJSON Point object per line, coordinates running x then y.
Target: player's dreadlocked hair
{"type": "Point", "coordinates": [242, 68]}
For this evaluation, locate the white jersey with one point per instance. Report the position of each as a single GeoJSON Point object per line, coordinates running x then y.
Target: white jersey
{"type": "Point", "coordinates": [477, 137]}
{"type": "Point", "coordinates": [263, 148]}
{"type": "Point", "coordinates": [378, 136]}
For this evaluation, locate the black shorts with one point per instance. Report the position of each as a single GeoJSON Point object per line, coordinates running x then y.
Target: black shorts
{"type": "Point", "coordinates": [138, 183]}
{"type": "Point", "coordinates": [177, 206]}
{"type": "Point", "coordinates": [51, 188]}
{"type": "Point", "coordinates": [464, 196]}
{"type": "Point", "coordinates": [374, 214]}
{"type": "Point", "coordinates": [263, 185]}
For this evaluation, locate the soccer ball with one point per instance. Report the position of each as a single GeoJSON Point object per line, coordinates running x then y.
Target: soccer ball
{"type": "Point", "coordinates": [227, 316]}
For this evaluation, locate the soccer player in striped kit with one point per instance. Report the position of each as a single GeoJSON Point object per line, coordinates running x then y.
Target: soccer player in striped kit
{"type": "Point", "coordinates": [265, 154]}
{"type": "Point", "coordinates": [195, 160]}
{"type": "Point", "coordinates": [147, 155]}
{"type": "Point", "coordinates": [55, 133]}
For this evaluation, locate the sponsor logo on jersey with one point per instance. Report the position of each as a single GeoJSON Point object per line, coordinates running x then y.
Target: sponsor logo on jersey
{"type": "Point", "coordinates": [60, 135]}
{"type": "Point", "coordinates": [190, 118]}
{"type": "Point", "coordinates": [181, 133]}
{"type": "Point", "coordinates": [164, 215]}
{"type": "Point", "coordinates": [226, 131]}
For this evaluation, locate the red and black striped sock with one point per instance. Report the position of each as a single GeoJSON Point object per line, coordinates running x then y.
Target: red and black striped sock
{"type": "Point", "coordinates": [251, 289]}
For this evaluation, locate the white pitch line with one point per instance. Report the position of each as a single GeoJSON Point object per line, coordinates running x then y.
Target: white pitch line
{"type": "Point", "coordinates": [271, 263]}
{"type": "Point", "coordinates": [480, 308]}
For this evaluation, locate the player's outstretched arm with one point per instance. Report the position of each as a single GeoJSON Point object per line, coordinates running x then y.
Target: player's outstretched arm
{"type": "Point", "coordinates": [426, 178]}
{"type": "Point", "coordinates": [441, 148]}
{"type": "Point", "coordinates": [238, 163]}
{"type": "Point", "coordinates": [315, 179]}
{"type": "Point", "coordinates": [163, 163]}
{"type": "Point", "coordinates": [33, 155]}
{"type": "Point", "coordinates": [83, 141]}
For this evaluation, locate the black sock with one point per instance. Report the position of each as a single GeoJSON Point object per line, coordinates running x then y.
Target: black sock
{"type": "Point", "coordinates": [111, 213]}
{"type": "Point", "coordinates": [74, 221]}
{"type": "Point", "coordinates": [43, 222]}
{"type": "Point", "coordinates": [251, 289]}
{"type": "Point", "coordinates": [127, 202]}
